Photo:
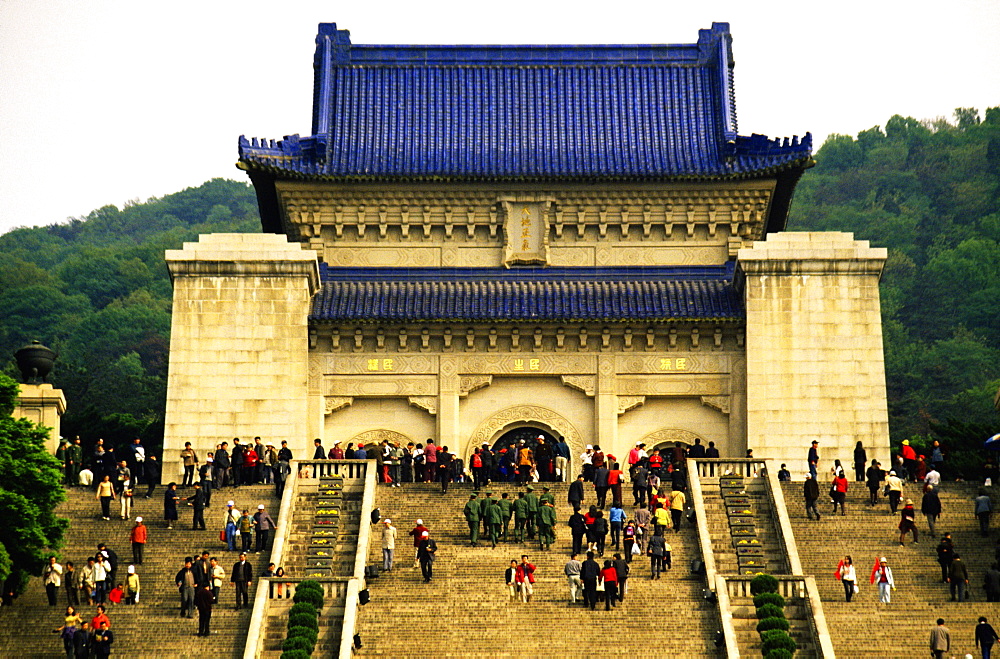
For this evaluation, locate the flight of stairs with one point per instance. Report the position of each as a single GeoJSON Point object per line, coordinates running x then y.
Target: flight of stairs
{"type": "Point", "coordinates": [864, 628]}
{"type": "Point", "coordinates": [154, 627]}
{"type": "Point", "coordinates": [465, 612]}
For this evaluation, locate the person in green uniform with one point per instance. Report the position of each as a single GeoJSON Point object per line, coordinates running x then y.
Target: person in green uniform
{"type": "Point", "coordinates": [493, 521]}
{"type": "Point", "coordinates": [546, 496]}
{"type": "Point", "coordinates": [74, 461]}
{"type": "Point", "coordinates": [546, 524]}
{"type": "Point", "coordinates": [520, 517]}
{"type": "Point", "coordinates": [532, 501]}
{"type": "Point", "coordinates": [506, 509]}
{"type": "Point", "coordinates": [484, 504]}
{"type": "Point", "coordinates": [472, 516]}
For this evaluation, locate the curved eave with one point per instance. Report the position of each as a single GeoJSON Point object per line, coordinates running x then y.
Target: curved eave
{"type": "Point", "coordinates": [314, 320]}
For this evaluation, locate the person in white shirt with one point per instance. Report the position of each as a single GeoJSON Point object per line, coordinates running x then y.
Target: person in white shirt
{"type": "Point", "coordinates": [847, 576]}
{"type": "Point", "coordinates": [388, 544]}
{"type": "Point", "coordinates": [933, 477]}
{"type": "Point", "coordinates": [587, 458]}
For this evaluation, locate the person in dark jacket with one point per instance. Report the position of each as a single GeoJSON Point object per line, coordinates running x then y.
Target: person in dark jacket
{"type": "Point", "coordinates": [656, 547]}
{"type": "Point", "coordinates": [945, 554]}
{"type": "Point", "coordinates": [930, 506]}
{"type": "Point", "coordinates": [241, 577]}
{"type": "Point", "coordinates": [152, 474]}
{"type": "Point", "coordinates": [589, 573]}
{"type": "Point", "coordinates": [873, 478]}
{"type": "Point", "coordinates": [204, 600]}
{"type": "Point", "coordinates": [958, 579]}
{"type": "Point", "coordinates": [991, 583]}
{"type": "Point", "coordinates": [576, 493]}
{"type": "Point", "coordinates": [578, 528]}
{"type": "Point", "coordinates": [986, 636]}
{"type": "Point", "coordinates": [601, 485]}
{"type": "Point", "coordinates": [811, 492]}
{"type": "Point", "coordinates": [860, 459]}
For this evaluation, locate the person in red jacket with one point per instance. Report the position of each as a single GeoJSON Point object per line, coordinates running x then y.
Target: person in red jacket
{"type": "Point", "coordinates": [525, 579]}
{"type": "Point", "coordinates": [138, 537]}
{"type": "Point", "coordinates": [417, 532]}
{"type": "Point", "coordinates": [250, 460]}
{"type": "Point", "coordinates": [615, 483]}
{"type": "Point", "coordinates": [610, 577]}
{"type": "Point", "coordinates": [839, 492]}
{"type": "Point", "coordinates": [909, 460]}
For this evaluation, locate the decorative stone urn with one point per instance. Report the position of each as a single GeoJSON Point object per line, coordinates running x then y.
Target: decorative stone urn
{"type": "Point", "coordinates": [35, 362]}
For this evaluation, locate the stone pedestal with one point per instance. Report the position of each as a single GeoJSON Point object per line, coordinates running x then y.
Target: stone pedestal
{"type": "Point", "coordinates": [239, 344]}
{"type": "Point", "coordinates": [44, 405]}
{"type": "Point", "coordinates": [815, 364]}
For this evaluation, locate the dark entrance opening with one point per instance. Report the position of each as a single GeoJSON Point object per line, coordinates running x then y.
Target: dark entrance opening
{"type": "Point", "coordinates": [529, 435]}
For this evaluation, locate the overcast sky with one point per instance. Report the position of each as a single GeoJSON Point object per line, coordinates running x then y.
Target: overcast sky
{"type": "Point", "coordinates": [105, 101]}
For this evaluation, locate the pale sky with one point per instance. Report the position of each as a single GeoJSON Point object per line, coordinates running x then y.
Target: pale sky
{"type": "Point", "coordinates": [105, 101]}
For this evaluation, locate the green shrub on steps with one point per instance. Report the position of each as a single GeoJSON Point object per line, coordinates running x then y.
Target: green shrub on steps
{"type": "Point", "coordinates": [778, 653]}
{"type": "Point", "coordinates": [769, 598]}
{"type": "Point", "coordinates": [298, 643]}
{"type": "Point", "coordinates": [775, 639]}
{"type": "Point", "coordinates": [305, 632]}
{"type": "Point", "coordinates": [309, 595]}
{"type": "Point", "coordinates": [303, 607]}
{"type": "Point", "coordinates": [772, 623]}
{"type": "Point", "coordinates": [770, 611]}
{"type": "Point", "coordinates": [763, 583]}
{"type": "Point", "coordinates": [296, 654]}
{"type": "Point", "coordinates": [303, 620]}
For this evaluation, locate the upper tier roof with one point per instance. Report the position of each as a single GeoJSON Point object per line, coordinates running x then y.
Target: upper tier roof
{"type": "Point", "coordinates": [642, 112]}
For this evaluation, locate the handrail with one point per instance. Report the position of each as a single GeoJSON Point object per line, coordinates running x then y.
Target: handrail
{"type": "Point", "coordinates": [350, 620]}
{"type": "Point", "coordinates": [779, 516]}
{"type": "Point", "coordinates": [726, 618]}
{"type": "Point", "coordinates": [704, 537]}
{"type": "Point", "coordinates": [820, 629]}
{"type": "Point", "coordinates": [360, 558]}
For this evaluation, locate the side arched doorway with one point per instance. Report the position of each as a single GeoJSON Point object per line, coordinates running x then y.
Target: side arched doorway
{"type": "Point", "coordinates": [666, 439]}
{"type": "Point", "coordinates": [376, 437]}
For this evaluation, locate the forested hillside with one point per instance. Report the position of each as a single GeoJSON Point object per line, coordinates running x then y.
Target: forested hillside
{"type": "Point", "coordinates": [96, 290]}
{"type": "Point", "coordinates": [929, 192]}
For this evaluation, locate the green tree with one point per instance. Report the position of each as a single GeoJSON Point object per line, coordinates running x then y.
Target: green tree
{"type": "Point", "coordinates": [30, 489]}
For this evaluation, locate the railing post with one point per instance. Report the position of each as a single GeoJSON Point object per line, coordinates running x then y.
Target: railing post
{"type": "Point", "coordinates": [704, 537]}
{"type": "Point", "coordinates": [726, 617]}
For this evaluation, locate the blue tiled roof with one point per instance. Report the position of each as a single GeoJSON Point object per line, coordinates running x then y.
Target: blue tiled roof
{"type": "Point", "coordinates": [526, 294]}
{"type": "Point", "coordinates": [523, 113]}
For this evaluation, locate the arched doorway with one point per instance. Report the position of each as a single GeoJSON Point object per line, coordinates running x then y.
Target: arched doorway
{"type": "Point", "coordinates": [525, 422]}
{"type": "Point", "coordinates": [376, 437]}
{"type": "Point", "coordinates": [666, 439]}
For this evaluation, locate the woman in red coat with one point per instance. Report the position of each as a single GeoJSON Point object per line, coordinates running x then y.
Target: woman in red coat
{"type": "Point", "coordinates": [610, 577]}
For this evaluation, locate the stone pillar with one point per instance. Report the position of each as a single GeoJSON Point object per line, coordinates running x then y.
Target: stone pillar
{"type": "Point", "coordinates": [43, 405]}
{"type": "Point", "coordinates": [448, 421]}
{"type": "Point", "coordinates": [239, 344]}
{"type": "Point", "coordinates": [606, 408]}
{"type": "Point", "coordinates": [815, 367]}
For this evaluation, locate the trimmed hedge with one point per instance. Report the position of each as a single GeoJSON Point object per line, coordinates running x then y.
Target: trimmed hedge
{"type": "Point", "coordinates": [769, 598]}
{"type": "Point", "coordinates": [305, 632]}
{"type": "Point", "coordinates": [773, 622]}
{"type": "Point", "coordinates": [774, 639]}
{"type": "Point", "coordinates": [763, 583]}
{"type": "Point", "coordinates": [296, 654]}
{"type": "Point", "coordinates": [303, 607]}
{"type": "Point", "coordinates": [778, 653]}
{"type": "Point", "coordinates": [310, 596]}
{"type": "Point", "coordinates": [303, 620]}
{"type": "Point", "coordinates": [298, 643]}
{"type": "Point", "coordinates": [770, 611]}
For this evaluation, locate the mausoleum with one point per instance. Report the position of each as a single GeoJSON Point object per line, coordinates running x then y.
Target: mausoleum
{"type": "Point", "coordinates": [479, 243]}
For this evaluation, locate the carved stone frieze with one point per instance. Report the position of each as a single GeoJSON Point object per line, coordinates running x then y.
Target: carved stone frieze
{"type": "Point", "coordinates": [377, 436]}
{"type": "Point", "coordinates": [585, 383]}
{"type": "Point", "coordinates": [338, 364]}
{"type": "Point", "coordinates": [381, 387]}
{"type": "Point", "coordinates": [334, 403]}
{"type": "Point", "coordinates": [627, 403]}
{"type": "Point", "coordinates": [694, 385]}
{"type": "Point", "coordinates": [428, 403]}
{"type": "Point", "coordinates": [470, 383]}
{"type": "Point", "coordinates": [673, 363]}
{"type": "Point", "coordinates": [513, 363]}
{"type": "Point", "coordinates": [669, 436]}
{"type": "Point", "coordinates": [720, 403]}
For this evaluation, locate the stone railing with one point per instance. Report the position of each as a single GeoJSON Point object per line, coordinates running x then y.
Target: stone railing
{"type": "Point", "coordinates": [792, 588]}
{"type": "Point", "coordinates": [704, 537]}
{"type": "Point", "coordinates": [337, 591]}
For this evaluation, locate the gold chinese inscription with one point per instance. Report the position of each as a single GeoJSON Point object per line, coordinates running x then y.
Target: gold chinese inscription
{"type": "Point", "coordinates": [380, 364]}
{"type": "Point", "coordinates": [531, 364]}
{"type": "Point", "coordinates": [525, 229]}
{"type": "Point", "coordinates": [667, 364]}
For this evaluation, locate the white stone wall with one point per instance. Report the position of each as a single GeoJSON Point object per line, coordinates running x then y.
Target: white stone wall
{"type": "Point", "coordinates": [238, 344]}
{"type": "Point", "coordinates": [815, 364]}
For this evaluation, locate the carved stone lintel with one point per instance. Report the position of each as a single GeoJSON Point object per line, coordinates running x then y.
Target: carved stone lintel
{"type": "Point", "coordinates": [470, 383]}
{"type": "Point", "coordinates": [428, 403]}
{"type": "Point", "coordinates": [627, 403]}
{"type": "Point", "coordinates": [334, 403]}
{"type": "Point", "coordinates": [720, 403]}
{"type": "Point", "coordinates": [585, 383]}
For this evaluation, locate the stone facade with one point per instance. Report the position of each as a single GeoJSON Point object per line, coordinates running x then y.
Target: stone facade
{"type": "Point", "coordinates": [814, 358]}
{"type": "Point", "coordinates": [238, 343]}
{"type": "Point", "coordinates": [44, 405]}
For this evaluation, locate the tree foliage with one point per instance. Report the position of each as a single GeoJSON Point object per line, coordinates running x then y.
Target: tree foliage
{"type": "Point", "coordinates": [929, 192]}
{"type": "Point", "coordinates": [96, 290]}
{"type": "Point", "coordinates": [30, 489]}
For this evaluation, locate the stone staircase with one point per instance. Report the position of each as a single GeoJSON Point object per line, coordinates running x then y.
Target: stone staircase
{"type": "Point", "coordinates": [864, 628]}
{"type": "Point", "coordinates": [465, 611]}
{"type": "Point", "coordinates": [154, 626]}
